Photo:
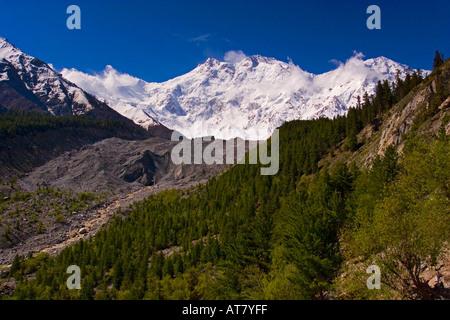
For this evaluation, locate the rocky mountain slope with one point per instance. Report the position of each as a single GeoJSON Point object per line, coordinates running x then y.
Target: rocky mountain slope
{"type": "Point", "coordinates": [248, 99]}
{"type": "Point", "coordinates": [28, 83]}
{"type": "Point", "coordinates": [410, 116]}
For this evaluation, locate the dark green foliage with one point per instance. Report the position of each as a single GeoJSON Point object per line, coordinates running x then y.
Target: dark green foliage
{"type": "Point", "coordinates": [17, 123]}
{"type": "Point", "coordinates": [438, 60]}
{"type": "Point", "coordinates": [310, 223]}
{"type": "Point", "coordinates": [385, 170]}
{"type": "Point", "coordinates": [442, 133]}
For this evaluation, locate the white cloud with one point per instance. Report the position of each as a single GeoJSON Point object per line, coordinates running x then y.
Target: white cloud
{"type": "Point", "coordinates": [335, 62]}
{"type": "Point", "coordinates": [107, 84]}
{"type": "Point", "coordinates": [203, 37]}
{"type": "Point", "coordinates": [353, 69]}
{"type": "Point", "coordinates": [233, 56]}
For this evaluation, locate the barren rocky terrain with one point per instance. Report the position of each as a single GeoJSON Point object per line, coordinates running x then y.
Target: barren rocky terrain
{"type": "Point", "coordinates": [111, 174]}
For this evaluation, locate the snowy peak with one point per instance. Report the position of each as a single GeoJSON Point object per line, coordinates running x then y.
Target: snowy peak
{"type": "Point", "coordinates": [27, 83]}
{"type": "Point", "coordinates": [7, 50]}
{"type": "Point", "coordinates": [384, 65]}
{"type": "Point", "coordinates": [24, 75]}
{"type": "Point", "coordinates": [248, 97]}
{"type": "Point", "coordinates": [5, 47]}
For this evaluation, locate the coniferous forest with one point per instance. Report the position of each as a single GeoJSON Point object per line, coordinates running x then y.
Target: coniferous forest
{"type": "Point", "coordinates": [308, 232]}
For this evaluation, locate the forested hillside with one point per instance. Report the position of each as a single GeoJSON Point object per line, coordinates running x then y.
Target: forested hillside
{"type": "Point", "coordinates": [17, 123]}
{"type": "Point", "coordinates": [308, 232]}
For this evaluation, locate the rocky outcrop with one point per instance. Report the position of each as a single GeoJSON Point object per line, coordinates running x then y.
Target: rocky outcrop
{"type": "Point", "coordinates": [403, 117]}
{"type": "Point", "coordinates": [418, 112]}
{"type": "Point", "coordinates": [8, 286]}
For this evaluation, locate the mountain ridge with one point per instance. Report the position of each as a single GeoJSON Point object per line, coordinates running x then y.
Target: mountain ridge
{"type": "Point", "coordinates": [248, 99]}
{"type": "Point", "coordinates": [30, 84]}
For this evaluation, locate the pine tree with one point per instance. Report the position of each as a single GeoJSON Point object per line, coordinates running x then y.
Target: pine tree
{"type": "Point", "coordinates": [16, 265]}
{"type": "Point", "coordinates": [390, 163]}
{"type": "Point", "coordinates": [442, 133]}
{"type": "Point", "coordinates": [117, 275]}
{"type": "Point", "coordinates": [351, 129]}
{"type": "Point", "coordinates": [438, 60]}
{"type": "Point", "coordinates": [352, 142]}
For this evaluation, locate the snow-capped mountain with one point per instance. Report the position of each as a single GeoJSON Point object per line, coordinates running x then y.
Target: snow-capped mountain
{"type": "Point", "coordinates": [247, 99]}
{"type": "Point", "coordinates": [43, 86]}
{"type": "Point", "coordinates": [27, 83]}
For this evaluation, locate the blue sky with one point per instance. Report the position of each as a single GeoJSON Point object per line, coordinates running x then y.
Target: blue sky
{"type": "Point", "coordinates": [159, 40]}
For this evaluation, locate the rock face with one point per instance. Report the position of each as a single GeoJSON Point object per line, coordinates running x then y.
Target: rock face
{"type": "Point", "coordinates": [402, 118]}
{"type": "Point", "coordinates": [439, 277]}
{"type": "Point", "coordinates": [8, 286]}
{"type": "Point", "coordinates": [143, 167]}
{"type": "Point", "coordinates": [401, 121]}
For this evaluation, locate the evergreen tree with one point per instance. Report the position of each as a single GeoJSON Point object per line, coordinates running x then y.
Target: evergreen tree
{"type": "Point", "coordinates": [438, 60]}
{"type": "Point", "coordinates": [352, 141]}
{"type": "Point", "coordinates": [442, 133]}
